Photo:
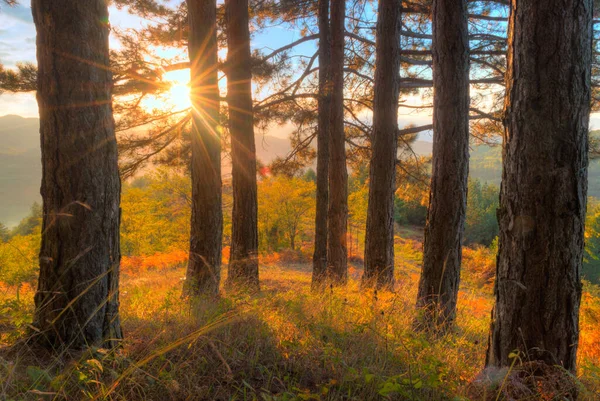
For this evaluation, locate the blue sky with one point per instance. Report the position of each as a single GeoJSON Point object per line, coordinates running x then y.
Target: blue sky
{"type": "Point", "coordinates": [17, 44]}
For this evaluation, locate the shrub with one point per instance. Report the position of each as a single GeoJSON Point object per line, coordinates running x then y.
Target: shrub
{"type": "Point", "coordinates": [591, 260]}
{"type": "Point", "coordinates": [159, 260]}
{"type": "Point", "coordinates": [481, 226]}
{"type": "Point", "coordinates": [19, 260]}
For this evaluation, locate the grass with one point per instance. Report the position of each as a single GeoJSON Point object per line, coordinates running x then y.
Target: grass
{"type": "Point", "coordinates": [285, 343]}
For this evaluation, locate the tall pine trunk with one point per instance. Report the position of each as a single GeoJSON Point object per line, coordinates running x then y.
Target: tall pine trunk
{"type": "Point", "coordinates": [337, 269]}
{"type": "Point", "coordinates": [243, 264]}
{"type": "Point", "coordinates": [324, 104]}
{"type": "Point", "coordinates": [544, 183]}
{"type": "Point", "coordinates": [442, 250]}
{"type": "Point", "coordinates": [76, 304]}
{"type": "Point", "coordinates": [379, 240]}
{"type": "Point", "coordinates": [204, 267]}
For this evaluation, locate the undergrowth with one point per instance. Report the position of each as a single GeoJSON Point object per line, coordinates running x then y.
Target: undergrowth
{"type": "Point", "coordinates": [285, 343]}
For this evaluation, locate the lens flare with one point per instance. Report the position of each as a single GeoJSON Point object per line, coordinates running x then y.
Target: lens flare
{"type": "Point", "coordinates": [179, 95]}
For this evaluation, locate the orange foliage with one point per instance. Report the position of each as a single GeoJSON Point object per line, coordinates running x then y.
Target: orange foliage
{"type": "Point", "coordinates": [159, 260]}
{"type": "Point", "coordinates": [286, 256]}
{"type": "Point", "coordinates": [270, 259]}
{"type": "Point", "coordinates": [589, 339]}
{"type": "Point", "coordinates": [225, 252]}
{"type": "Point", "coordinates": [480, 266]}
{"type": "Point", "coordinates": [477, 307]}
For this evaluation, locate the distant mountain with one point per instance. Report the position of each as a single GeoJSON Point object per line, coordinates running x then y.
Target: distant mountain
{"type": "Point", "coordinates": [20, 167]}
{"type": "Point", "coordinates": [20, 164]}
{"type": "Point", "coordinates": [486, 165]}
{"type": "Point", "coordinates": [18, 134]}
{"type": "Point", "coordinates": [422, 148]}
{"type": "Point", "coordinates": [269, 147]}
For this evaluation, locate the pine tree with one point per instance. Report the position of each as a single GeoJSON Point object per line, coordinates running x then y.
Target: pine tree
{"type": "Point", "coordinates": [338, 174]}
{"type": "Point", "coordinates": [206, 237]}
{"type": "Point", "coordinates": [76, 304]}
{"type": "Point", "coordinates": [442, 249]}
{"type": "Point", "coordinates": [379, 238]}
{"type": "Point", "coordinates": [4, 233]}
{"type": "Point", "coordinates": [324, 108]}
{"type": "Point", "coordinates": [243, 264]}
{"type": "Point", "coordinates": [544, 183]}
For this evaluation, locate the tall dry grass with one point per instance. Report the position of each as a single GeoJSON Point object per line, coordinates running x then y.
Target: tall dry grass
{"type": "Point", "coordinates": [285, 343]}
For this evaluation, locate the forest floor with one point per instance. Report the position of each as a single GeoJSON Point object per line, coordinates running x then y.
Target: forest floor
{"type": "Point", "coordinates": [284, 343]}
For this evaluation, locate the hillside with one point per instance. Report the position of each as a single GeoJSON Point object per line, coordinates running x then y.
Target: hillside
{"type": "Point", "coordinates": [486, 165]}
{"type": "Point", "coordinates": [20, 166]}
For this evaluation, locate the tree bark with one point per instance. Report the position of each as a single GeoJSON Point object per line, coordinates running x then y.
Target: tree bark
{"type": "Point", "coordinates": [324, 104]}
{"type": "Point", "coordinates": [204, 267]}
{"type": "Point", "coordinates": [544, 183]}
{"type": "Point", "coordinates": [243, 264]}
{"type": "Point", "coordinates": [337, 253]}
{"type": "Point", "coordinates": [379, 238]}
{"type": "Point", "coordinates": [442, 250]}
{"type": "Point", "coordinates": [77, 297]}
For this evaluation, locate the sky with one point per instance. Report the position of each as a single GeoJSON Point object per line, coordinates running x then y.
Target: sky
{"type": "Point", "coordinates": [17, 44]}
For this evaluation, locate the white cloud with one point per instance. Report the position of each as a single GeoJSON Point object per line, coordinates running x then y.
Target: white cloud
{"type": "Point", "coordinates": [22, 104]}
{"type": "Point", "coordinates": [15, 37]}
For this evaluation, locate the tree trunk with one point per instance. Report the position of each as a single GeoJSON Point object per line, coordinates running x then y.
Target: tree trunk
{"type": "Point", "coordinates": [324, 104]}
{"type": "Point", "coordinates": [379, 238]}
{"type": "Point", "coordinates": [243, 264]}
{"type": "Point", "coordinates": [204, 267]}
{"type": "Point", "coordinates": [337, 253]}
{"type": "Point", "coordinates": [77, 298]}
{"type": "Point", "coordinates": [442, 250]}
{"type": "Point", "coordinates": [544, 183]}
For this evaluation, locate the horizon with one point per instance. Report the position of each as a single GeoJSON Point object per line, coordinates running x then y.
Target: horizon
{"type": "Point", "coordinates": [268, 147]}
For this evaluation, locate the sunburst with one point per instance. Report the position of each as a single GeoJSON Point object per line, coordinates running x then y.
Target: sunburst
{"type": "Point", "coordinates": [179, 95]}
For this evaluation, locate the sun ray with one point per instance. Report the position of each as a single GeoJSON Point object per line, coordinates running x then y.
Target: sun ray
{"type": "Point", "coordinates": [179, 95]}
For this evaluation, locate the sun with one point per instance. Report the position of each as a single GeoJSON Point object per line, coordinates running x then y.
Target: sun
{"type": "Point", "coordinates": [175, 98]}
{"type": "Point", "coordinates": [179, 95]}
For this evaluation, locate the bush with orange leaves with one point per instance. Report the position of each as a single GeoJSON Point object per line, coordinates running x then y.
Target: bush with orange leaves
{"type": "Point", "coordinates": [225, 253]}
{"type": "Point", "coordinates": [589, 321]}
{"type": "Point", "coordinates": [159, 261]}
{"type": "Point", "coordinates": [271, 258]}
{"type": "Point", "coordinates": [480, 265]}
{"type": "Point", "coordinates": [286, 257]}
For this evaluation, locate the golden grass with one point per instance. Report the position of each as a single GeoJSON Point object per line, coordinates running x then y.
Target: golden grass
{"type": "Point", "coordinates": [285, 343]}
